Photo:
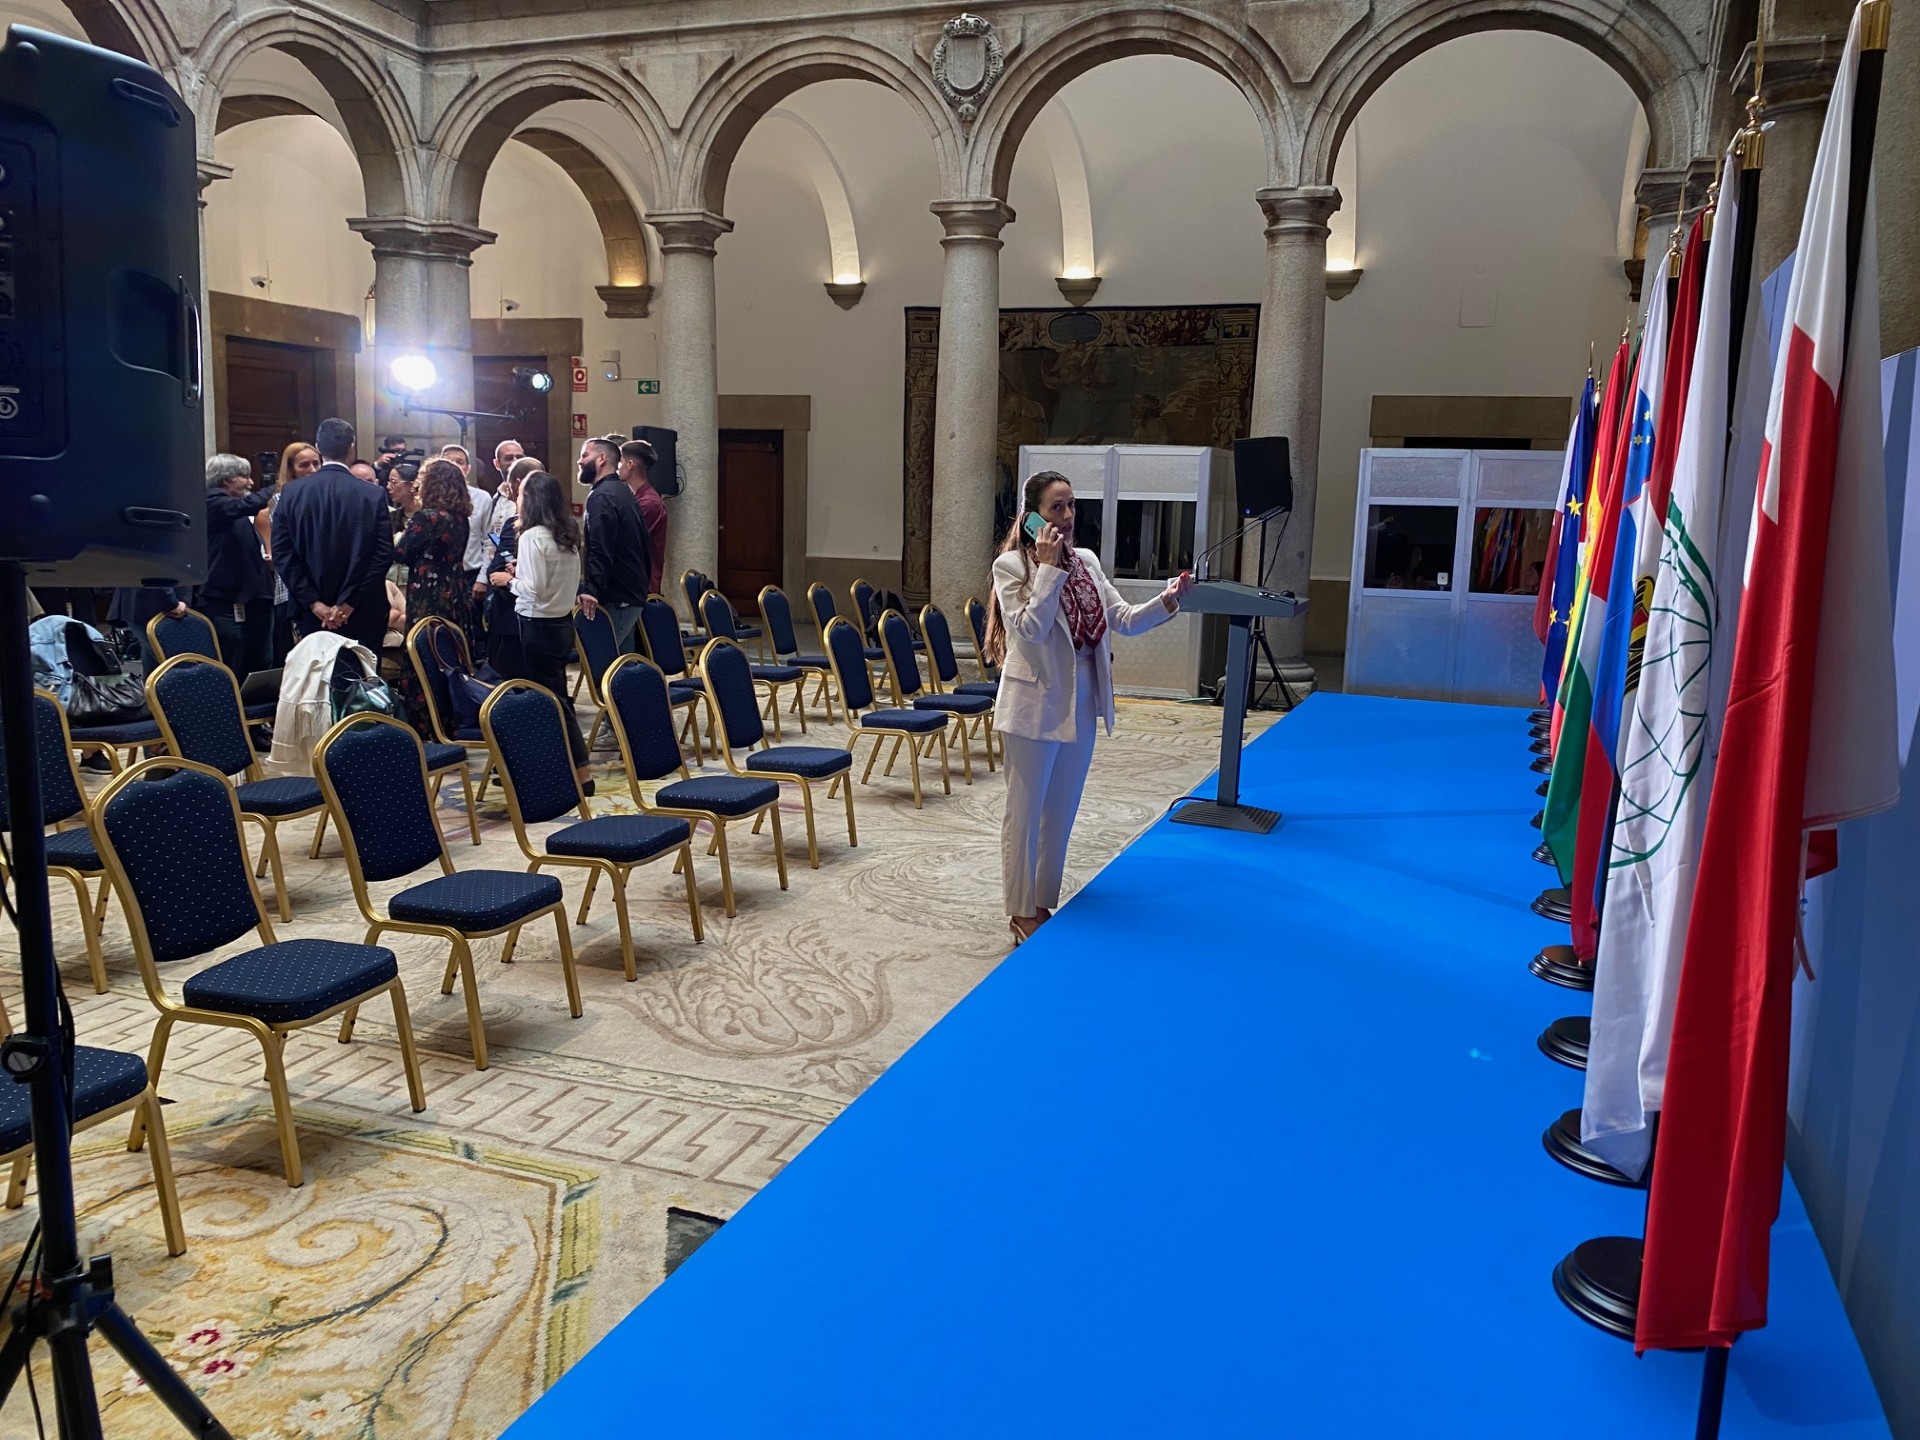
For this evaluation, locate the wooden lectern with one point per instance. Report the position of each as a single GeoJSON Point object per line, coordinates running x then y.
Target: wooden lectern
{"type": "Point", "coordinates": [1242, 605]}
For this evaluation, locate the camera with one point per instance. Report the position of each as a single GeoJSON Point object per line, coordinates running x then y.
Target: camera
{"type": "Point", "coordinates": [407, 462]}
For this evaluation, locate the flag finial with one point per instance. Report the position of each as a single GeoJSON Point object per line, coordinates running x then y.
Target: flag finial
{"type": "Point", "coordinates": [1589, 361]}
{"type": "Point", "coordinates": [1708, 211]}
{"type": "Point", "coordinates": [1751, 143]}
{"type": "Point", "coordinates": [1876, 18]}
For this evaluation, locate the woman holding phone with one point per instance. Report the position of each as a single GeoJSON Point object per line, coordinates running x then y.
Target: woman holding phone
{"type": "Point", "coordinates": [1048, 623]}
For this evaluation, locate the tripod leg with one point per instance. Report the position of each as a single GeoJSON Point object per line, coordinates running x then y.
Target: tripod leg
{"type": "Point", "coordinates": [14, 1355]}
{"type": "Point", "coordinates": [161, 1378]}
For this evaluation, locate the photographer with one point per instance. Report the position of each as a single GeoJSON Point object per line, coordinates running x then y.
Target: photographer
{"type": "Point", "coordinates": [237, 594]}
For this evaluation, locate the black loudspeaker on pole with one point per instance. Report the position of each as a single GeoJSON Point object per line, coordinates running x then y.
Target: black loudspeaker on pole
{"type": "Point", "coordinates": [100, 483]}
{"type": "Point", "coordinates": [664, 474]}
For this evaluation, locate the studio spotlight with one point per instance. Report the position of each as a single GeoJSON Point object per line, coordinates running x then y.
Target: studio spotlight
{"type": "Point", "coordinates": [538, 381]}
{"type": "Point", "coordinates": [412, 374]}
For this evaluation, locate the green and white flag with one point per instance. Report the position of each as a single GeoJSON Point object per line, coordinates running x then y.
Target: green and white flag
{"type": "Point", "coordinates": [1669, 743]}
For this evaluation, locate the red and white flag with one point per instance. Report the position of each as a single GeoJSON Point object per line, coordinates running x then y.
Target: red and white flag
{"type": "Point", "coordinates": [1810, 740]}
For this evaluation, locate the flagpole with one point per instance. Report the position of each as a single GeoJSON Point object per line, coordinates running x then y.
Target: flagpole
{"type": "Point", "coordinates": [1752, 152]}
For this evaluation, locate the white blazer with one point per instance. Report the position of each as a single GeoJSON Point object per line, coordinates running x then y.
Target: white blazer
{"type": "Point", "coordinates": [1038, 686]}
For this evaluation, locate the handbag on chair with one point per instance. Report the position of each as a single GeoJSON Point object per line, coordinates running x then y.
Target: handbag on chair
{"type": "Point", "coordinates": [100, 691]}
{"type": "Point", "coordinates": [352, 691]}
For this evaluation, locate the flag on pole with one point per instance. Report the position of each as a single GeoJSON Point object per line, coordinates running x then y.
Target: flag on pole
{"type": "Point", "coordinates": [1810, 739]}
{"type": "Point", "coordinates": [1555, 606]}
{"type": "Point", "coordinates": [1607, 441]}
{"type": "Point", "coordinates": [1669, 745]}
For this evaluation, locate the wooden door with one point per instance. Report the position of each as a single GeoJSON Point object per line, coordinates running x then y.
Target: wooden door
{"type": "Point", "coordinates": [493, 389]}
{"type": "Point", "coordinates": [274, 394]}
{"type": "Point", "coordinates": [752, 517]}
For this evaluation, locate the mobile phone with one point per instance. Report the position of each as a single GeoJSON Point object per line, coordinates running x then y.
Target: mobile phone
{"type": "Point", "coordinates": [1034, 525]}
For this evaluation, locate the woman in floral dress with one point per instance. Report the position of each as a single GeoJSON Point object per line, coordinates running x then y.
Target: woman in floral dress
{"type": "Point", "coordinates": [432, 548]}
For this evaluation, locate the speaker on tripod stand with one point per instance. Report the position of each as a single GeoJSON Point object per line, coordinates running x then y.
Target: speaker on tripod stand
{"type": "Point", "coordinates": [101, 349]}
{"type": "Point", "coordinates": [1263, 489]}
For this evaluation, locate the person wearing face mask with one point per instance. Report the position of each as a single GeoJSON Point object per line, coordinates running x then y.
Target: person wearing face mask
{"type": "Point", "coordinates": [618, 566]}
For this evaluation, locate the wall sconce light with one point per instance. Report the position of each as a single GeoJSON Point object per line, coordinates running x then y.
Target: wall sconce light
{"type": "Point", "coordinates": [1340, 282]}
{"type": "Point", "coordinates": [1078, 285]}
{"type": "Point", "coordinates": [846, 290]}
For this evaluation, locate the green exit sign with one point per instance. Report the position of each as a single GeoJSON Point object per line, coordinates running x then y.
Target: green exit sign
{"type": "Point", "coordinates": [649, 387]}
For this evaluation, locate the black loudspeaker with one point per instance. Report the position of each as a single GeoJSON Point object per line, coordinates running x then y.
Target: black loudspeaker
{"type": "Point", "coordinates": [1262, 475]}
{"type": "Point", "coordinates": [102, 439]}
{"type": "Point", "coordinates": [664, 475]}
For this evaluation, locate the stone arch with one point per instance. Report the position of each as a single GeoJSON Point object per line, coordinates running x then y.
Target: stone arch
{"type": "Point", "coordinates": [1035, 76]}
{"type": "Point", "coordinates": [378, 128]}
{"type": "Point", "coordinates": [830, 188]}
{"type": "Point", "coordinates": [134, 28]}
{"type": "Point", "coordinates": [486, 116]}
{"type": "Point", "coordinates": [1638, 42]}
{"type": "Point", "coordinates": [627, 292]}
{"type": "Point", "coordinates": [734, 101]}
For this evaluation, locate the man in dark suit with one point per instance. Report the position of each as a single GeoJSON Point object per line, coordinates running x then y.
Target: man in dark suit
{"type": "Point", "coordinates": [332, 545]}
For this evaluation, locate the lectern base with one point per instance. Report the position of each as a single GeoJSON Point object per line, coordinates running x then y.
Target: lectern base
{"type": "Point", "coordinates": [1249, 818]}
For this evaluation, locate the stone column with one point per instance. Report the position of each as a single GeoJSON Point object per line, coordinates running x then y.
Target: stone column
{"type": "Point", "coordinates": [1286, 393]}
{"type": "Point", "coordinates": [966, 404]}
{"type": "Point", "coordinates": [210, 170]}
{"type": "Point", "coordinates": [422, 304]}
{"type": "Point", "coordinates": [690, 384]}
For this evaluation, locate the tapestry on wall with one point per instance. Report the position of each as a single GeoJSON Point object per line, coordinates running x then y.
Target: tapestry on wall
{"type": "Point", "coordinates": [1176, 375]}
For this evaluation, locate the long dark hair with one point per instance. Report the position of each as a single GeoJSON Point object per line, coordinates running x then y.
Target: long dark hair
{"type": "Point", "coordinates": [541, 503]}
{"type": "Point", "coordinates": [995, 641]}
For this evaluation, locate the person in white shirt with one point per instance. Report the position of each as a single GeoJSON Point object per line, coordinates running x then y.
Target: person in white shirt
{"type": "Point", "coordinates": [546, 577]}
{"type": "Point", "coordinates": [1048, 629]}
{"type": "Point", "coordinates": [479, 525]}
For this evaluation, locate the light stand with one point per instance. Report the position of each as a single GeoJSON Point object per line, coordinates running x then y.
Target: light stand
{"type": "Point", "coordinates": [407, 407]}
{"type": "Point", "coordinates": [69, 1298]}
{"type": "Point", "coordinates": [1260, 698]}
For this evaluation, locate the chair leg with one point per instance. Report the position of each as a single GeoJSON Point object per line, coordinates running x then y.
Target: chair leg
{"type": "Point", "coordinates": [986, 734]}
{"type": "Point", "coordinates": [274, 1043]}
{"type": "Point", "coordinates": [473, 810]}
{"type": "Point", "coordinates": [779, 844]}
{"type": "Point", "coordinates": [347, 1017]}
{"type": "Point", "coordinates": [260, 865]}
{"type": "Point", "coordinates": [586, 900]}
{"type": "Point", "coordinates": [866, 775]}
{"type": "Point", "coordinates": [271, 847]}
{"type": "Point", "coordinates": [799, 693]}
{"type": "Point", "coordinates": [156, 1057]}
{"type": "Point", "coordinates": [90, 931]}
{"type": "Point", "coordinates": [966, 750]}
{"type": "Point", "coordinates": [773, 711]}
{"type": "Point", "coordinates": [599, 719]}
{"type": "Point", "coordinates": [813, 844]}
{"type": "Point", "coordinates": [946, 767]}
{"type": "Point", "coordinates": [566, 960]}
{"type": "Point", "coordinates": [913, 766]}
{"type": "Point", "coordinates": [17, 1182]}
{"type": "Point", "coordinates": [160, 1156]}
{"type": "Point", "coordinates": [892, 755]}
{"type": "Point", "coordinates": [693, 894]}
{"type": "Point", "coordinates": [513, 941]}
{"type": "Point", "coordinates": [319, 834]}
{"type": "Point", "coordinates": [853, 834]}
{"type": "Point", "coordinates": [618, 880]}
{"type": "Point", "coordinates": [462, 960]}
{"type": "Point", "coordinates": [409, 1058]}
{"type": "Point", "coordinates": [726, 870]}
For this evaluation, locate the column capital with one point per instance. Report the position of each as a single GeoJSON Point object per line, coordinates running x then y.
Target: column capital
{"type": "Point", "coordinates": [698, 231]}
{"type": "Point", "coordinates": [210, 170]}
{"type": "Point", "coordinates": [410, 238]}
{"type": "Point", "coordinates": [1661, 192]}
{"type": "Point", "coordinates": [625, 302]}
{"type": "Point", "coordinates": [979, 218]}
{"type": "Point", "coordinates": [1799, 73]}
{"type": "Point", "coordinates": [1297, 212]}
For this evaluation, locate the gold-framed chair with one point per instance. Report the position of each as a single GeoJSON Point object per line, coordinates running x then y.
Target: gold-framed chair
{"type": "Point", "coordinates": [373, 771]}
{"type": "Point", "coordinates": [723, 623]}
{"type": "Point", "coordinates": [423, 641]}
{"type": "Point", "coordinates": [909, 692]}
{"type": "Point", "coordinates": [196, 702]}
{"type": "Point", "coordinates": [640, 701]}
{"type": "Point", "coordinates": [660, 642]}
{"type": "Point", "coordinates": [916, 729]}
{"type": "Point", "coordinates": [105, 1084]}
{"type": "Point", "coordinates": [184, 900]}
{"type": "Point", "coordinates": [524, 726]}
{"type": "Point", "coordinates": [776, 618]}
{"type": "Point", "coordinates": [728, 676]}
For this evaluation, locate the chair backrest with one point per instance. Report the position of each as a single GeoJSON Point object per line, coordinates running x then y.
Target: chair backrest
{"type": "Point", "coordinates": [188, 634]}
{"type": "Point", "coordinates": [374, 772]}
{"type": "Point", "coordinates": [61, 797]}
{"type": "Point", "coordinates": [847, 649]}
{"type": "Point", "coordinates": [642, 712]}
{"type": "Point", "coordinates": [730, 684]}
{"type": "Point", "coordinates": [693, 585]}
{"type": "Point", "coordinates": [660, 634]}
{"type": "Point", "coordinates": [863, 592]}
{"type": "Point", "coordinates": [716, 614]}
{"type": "Point", "coordinates": [524, 729]}
{"type": "Point", "coordinates": [777, 611]}
{"type": "Point", "coordinates": [432, 644]}
{"type": "Point", "coordinates": [820, 601]}
{"type": "Point", "coordinates": [173, 849]}
{"type": "Point", "coordinates": [897, 640]}
{"type": "Point", "coordinates": [933, 629]}
{"type": "Point", "coordinates": [598, 648]}
{"type": "Point", "coordinates": [197, 702]}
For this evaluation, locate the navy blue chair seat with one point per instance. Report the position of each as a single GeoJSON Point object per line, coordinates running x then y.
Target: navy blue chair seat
{"type": "Point", "coordinates": [917, 722]}
{"type": "Point", "coordinates": [102, 1079]}
{"type": "Point", "coordinates": [134, 732]}
{"type": "Point", "coordinates": [476, 901]}
{"type": "Point", "coordinates": [263, 710]}
{"type": "Point", "coordinates": [291, 980]}
{"type": "Point", "coordinates": [954, 704]}
{"type": "Point", "coordinates": [812, 762]}
{"type": "Point", "coordinates": [73, 849]}
{"type": "Point", "coordinates": [720, 794]}
{"type": "Point", "coordinates": [440, 757]}
{"type": "Point", "coordinates": [284, 795]}
{"type": "Point", "coordinates": [810, 662]}
{"type": "Point", "coordinates": [778, 674]}
{"type": "Point", "coordinates": [989, 688]}
{"type": "Point", "coordinates": [681, 691]}
{"type": "Point", "coordinates": [624, 839]}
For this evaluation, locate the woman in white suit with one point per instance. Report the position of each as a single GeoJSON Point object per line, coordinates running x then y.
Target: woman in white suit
{"type": "Point", "coordinates": [1047, 629]}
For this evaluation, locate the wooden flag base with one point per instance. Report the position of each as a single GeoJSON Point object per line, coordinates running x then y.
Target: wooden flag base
{"type": "Point", "coordinates": [1557, 965]}
{"type": "Point", "coordinates": [1562, 1142]}
{"type": "Point", "coordinates": [1565, 1041]}
{"type": "Point", "coordinates": [1542, 765]}
{"type": "Point", "coordinates": [1555, 904]}
{"type": "Point", "coordinates": [1543, 853]}
{"type": "Point", "coordinates": [1600, 1282]}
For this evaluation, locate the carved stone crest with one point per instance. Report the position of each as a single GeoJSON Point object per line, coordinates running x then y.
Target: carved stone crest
{"type": "Point", "coordinates": [967, 60]}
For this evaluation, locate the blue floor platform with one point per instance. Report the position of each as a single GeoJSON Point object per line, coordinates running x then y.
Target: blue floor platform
{"type": "Point", "coordinates": [1247, 1143]}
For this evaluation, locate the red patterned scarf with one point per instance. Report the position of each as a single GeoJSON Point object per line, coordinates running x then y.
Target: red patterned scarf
{"type": "Point", "coordinates": [1080, 598]}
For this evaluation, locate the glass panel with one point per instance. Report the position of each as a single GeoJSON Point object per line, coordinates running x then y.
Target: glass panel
{"type": "Point", "coordinates": [1509, 550]}
{"type": "Point", "coordinates": [1153, 539]}
{"type": "Point", "coordinates": [1087, 518]}
{"type": "Point", "coordinates": [1410, 547]}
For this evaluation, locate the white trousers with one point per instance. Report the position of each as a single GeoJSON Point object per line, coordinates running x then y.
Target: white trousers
{"type": "Point", "coordinates": [1044, 782]}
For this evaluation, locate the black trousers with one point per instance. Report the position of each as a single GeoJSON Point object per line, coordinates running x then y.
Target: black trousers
{"type": "Point", "coordinates": [545, 646]}
{"type": "Point", "coordinates": [246, 643]}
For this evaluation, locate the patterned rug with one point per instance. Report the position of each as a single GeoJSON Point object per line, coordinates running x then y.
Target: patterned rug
{"type": "Point", "coordinates": [437, 1271]}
